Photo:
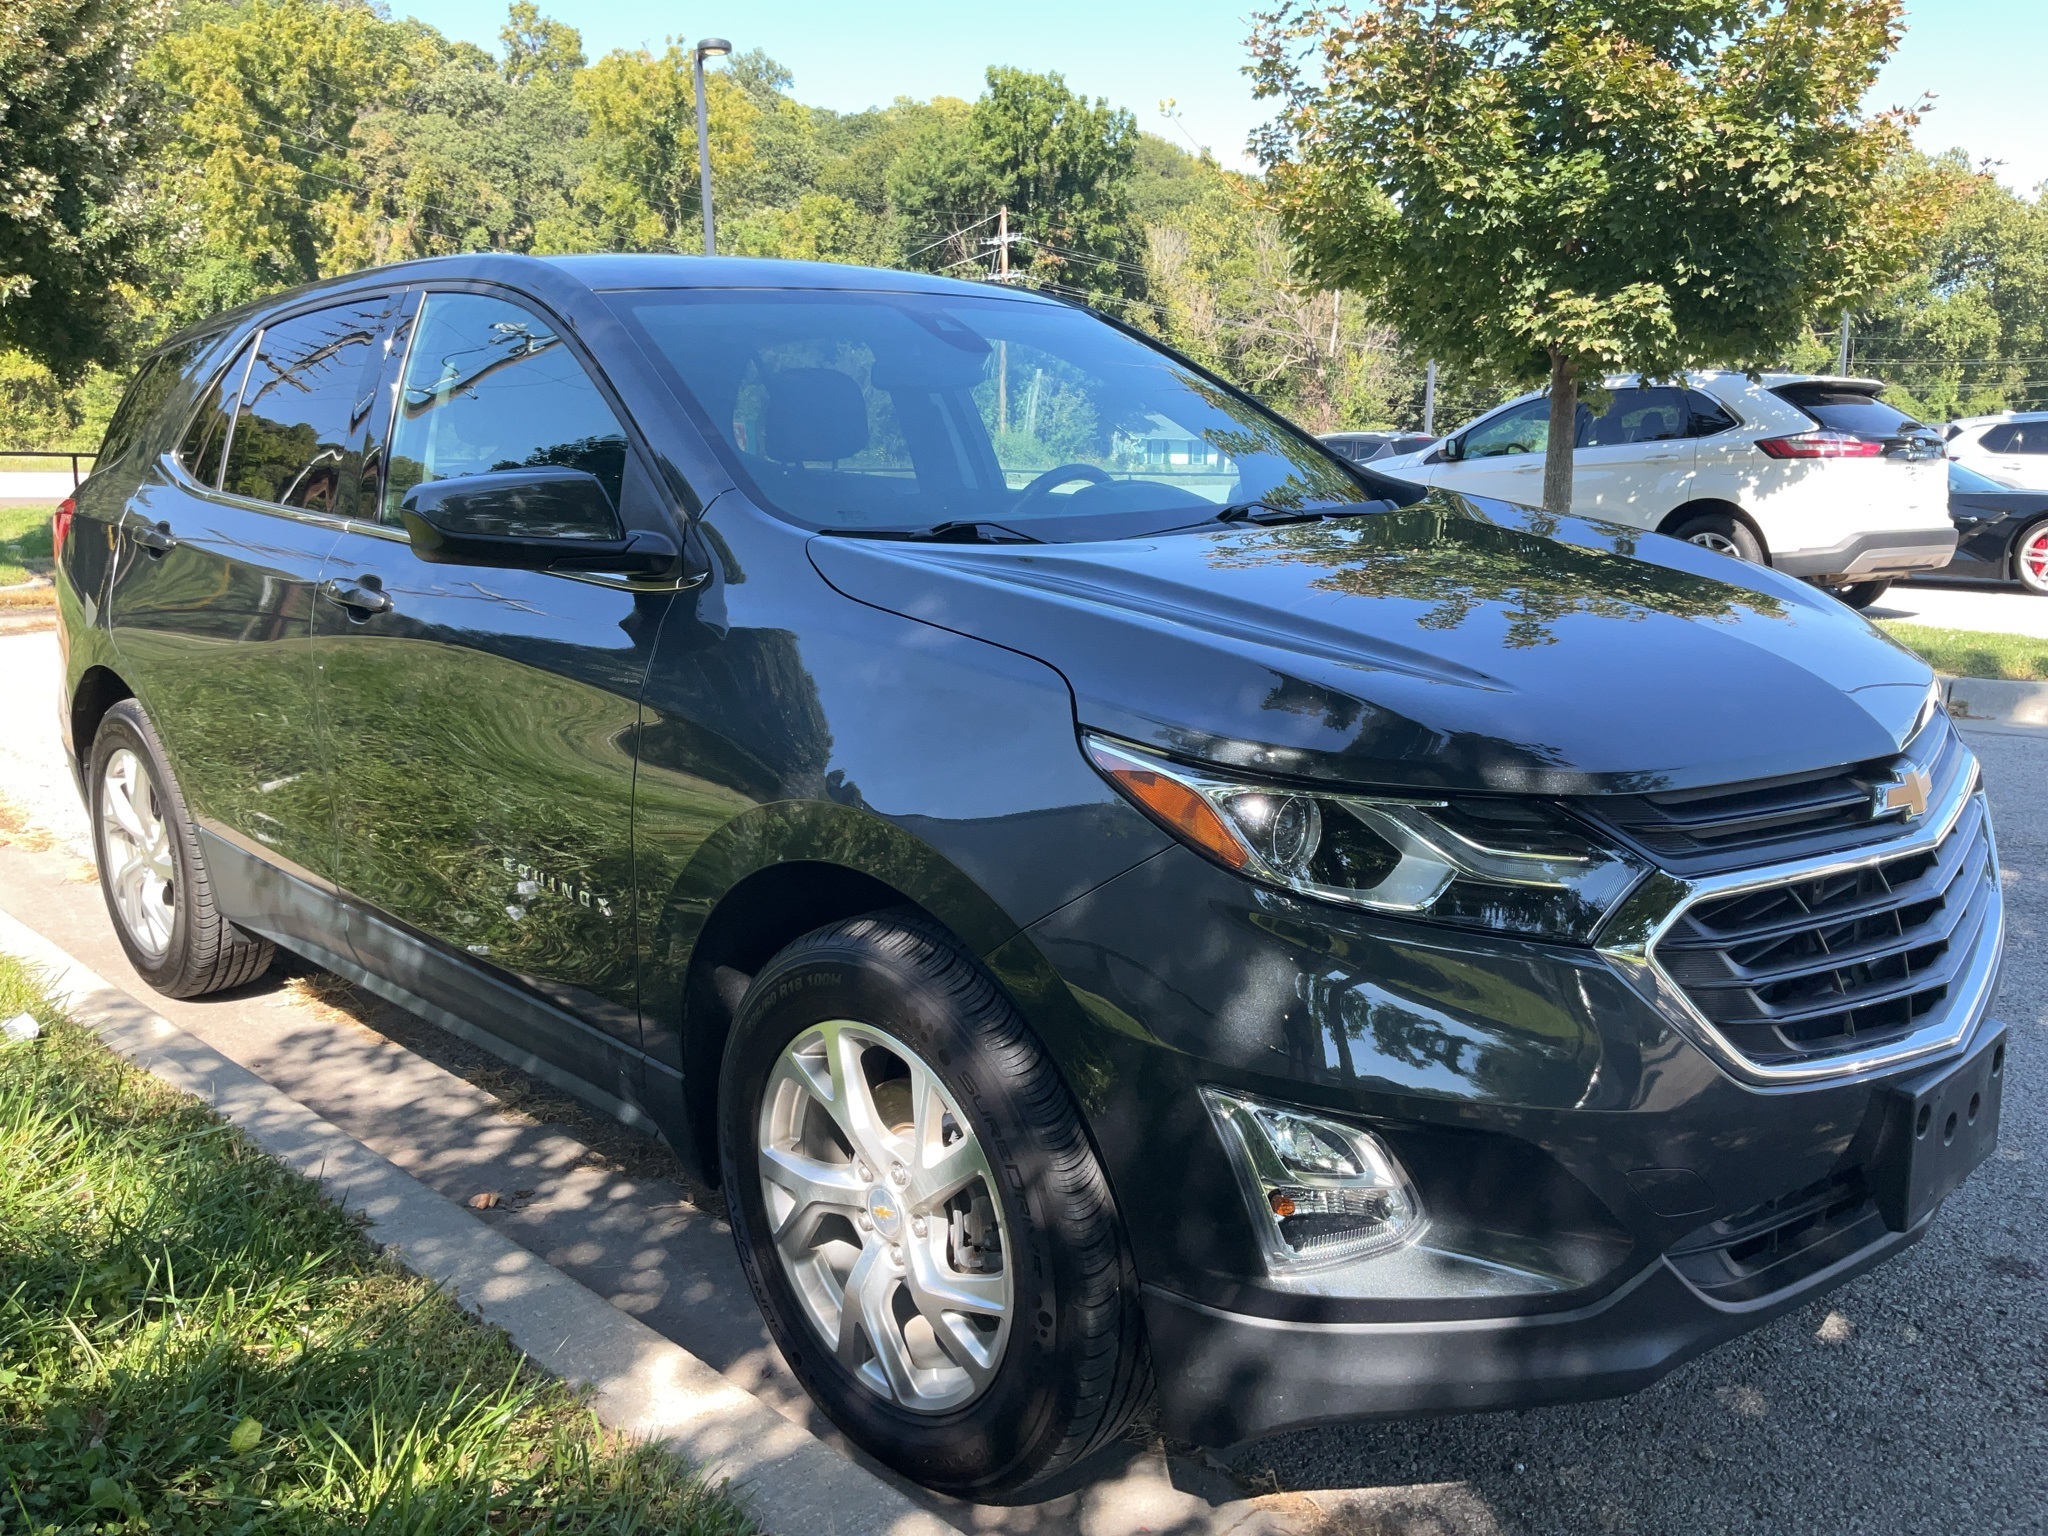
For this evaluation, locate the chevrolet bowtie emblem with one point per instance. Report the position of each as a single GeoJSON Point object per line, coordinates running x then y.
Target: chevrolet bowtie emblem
{"type": "Point", "coordinates": [1906, 790]}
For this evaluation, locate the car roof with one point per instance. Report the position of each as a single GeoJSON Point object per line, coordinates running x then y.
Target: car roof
{"type": "Point", "coordinates": [606, 273]}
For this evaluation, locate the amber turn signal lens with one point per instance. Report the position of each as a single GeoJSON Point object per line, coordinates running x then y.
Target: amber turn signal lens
{"type": "Point", "coordinates": [1183, 811]}
{"type": "Point", "coordinates": [1282, 1202]}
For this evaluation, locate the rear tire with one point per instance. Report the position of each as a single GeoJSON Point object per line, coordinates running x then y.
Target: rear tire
{"type": "Point", "coordinates": [2030, 558]}
{"type": "Point", "coordinates": [1861, 594]}
{"type": "Point", "coordinates": [1724, 534]}
{"type": "Point", "coordinates": [1045, 1376]}
{"type": "Point", "coordinates": [152, 873]}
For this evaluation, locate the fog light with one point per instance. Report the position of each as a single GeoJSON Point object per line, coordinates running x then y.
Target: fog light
{"type": "Point", "coordinates": [1321, 1192]}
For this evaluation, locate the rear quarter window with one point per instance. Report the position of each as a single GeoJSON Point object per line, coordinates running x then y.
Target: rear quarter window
{"type": "Point", "coordinates": [136, 421]}
{"type": "Point", "coordinates": [1849, 410]}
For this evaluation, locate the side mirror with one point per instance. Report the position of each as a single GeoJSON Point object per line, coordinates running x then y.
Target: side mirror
{"type": "Point", "coordinates": [530, 519]}
{"type": "Point", "coordinates": [1453, 449]}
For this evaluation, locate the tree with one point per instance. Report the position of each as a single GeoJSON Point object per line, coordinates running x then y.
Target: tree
{"type": "Point", "coordinates": [72, 214]}
{"type": "Point", "coordinates": [1560, 188]}
{"type": "Point", "coordinates": [538, 47]}
{"type": "Point", "coordinates": [1063, 166]}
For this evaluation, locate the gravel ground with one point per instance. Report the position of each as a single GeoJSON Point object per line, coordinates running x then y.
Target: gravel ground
{"type": "Point", "coordinates": [1915, 1399]}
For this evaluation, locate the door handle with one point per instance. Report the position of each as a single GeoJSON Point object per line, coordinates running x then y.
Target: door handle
{"type": "Point", "coordinates": [362, 598]}
{"type": "Point", "coordinates": [157, 538]}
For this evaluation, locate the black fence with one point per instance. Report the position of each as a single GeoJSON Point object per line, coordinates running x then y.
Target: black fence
{"type": "Point", "coordinates": [77, 477]}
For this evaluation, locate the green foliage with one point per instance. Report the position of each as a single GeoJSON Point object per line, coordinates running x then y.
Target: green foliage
{"type": "Point", "coordinates": [73, 218]}
{"type": "Point", "coordinates": [1556, 188]}
{"type": "Point", "coordinates": [193, 1341]}
{"type": "Point", "coordinates": [1966, 332]}
{"type": "Point", "coordinates": [1973, 652]}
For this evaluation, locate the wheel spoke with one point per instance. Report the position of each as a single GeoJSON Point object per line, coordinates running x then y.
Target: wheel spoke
{"type": "Point", "coordinates": [816, 1190]}
{"type": "Point", "coordinates": [949, 1170]}
{"type": "Point", "coordinates": [852, 1105]}
{"type": "Point", "coordinates": [933, 1282]}
{"type": "Point", "coordinates": [848, 1346]}
{"type": "Point", "coordinates": [120, 802]}
{"type": "Point", "coordinates": [885, 1335]}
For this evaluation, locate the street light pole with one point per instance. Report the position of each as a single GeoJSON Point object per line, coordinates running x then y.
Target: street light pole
{"type": "Point", "coordinates": [708, 48]}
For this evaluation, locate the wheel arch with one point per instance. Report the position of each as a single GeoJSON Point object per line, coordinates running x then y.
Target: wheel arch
{"type": "Point", "coordinates": [99, 689]}
{"type": "Point", "coordinates": [1678, 515]}
{"type": "Point", "coordinates": [2019, 537]}
{"type": "Point", "coordinates": [765, 878]}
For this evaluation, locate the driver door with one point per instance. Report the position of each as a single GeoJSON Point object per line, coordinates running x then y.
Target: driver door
{"type": "Point", "coordinates": [1502, 455]}
{"type": "Point", "coordinates": [480, 721]}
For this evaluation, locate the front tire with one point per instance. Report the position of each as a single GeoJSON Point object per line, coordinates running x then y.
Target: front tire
{"type": "Point", "coordinates": [2030, 559]}
{"type": "Point", "coordinates": [152, 873]}
{"type": "Point", "coordinates": [920, 1214]}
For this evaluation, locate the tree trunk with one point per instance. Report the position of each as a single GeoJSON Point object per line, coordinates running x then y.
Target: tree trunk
{"type": "Point", "coordinates": [1564, 420]}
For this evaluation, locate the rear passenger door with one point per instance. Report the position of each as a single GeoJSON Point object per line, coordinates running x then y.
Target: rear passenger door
{"type": "Point", "coordinates": [211, 601]}
{"type": "Point", "coordinates": [481, 721]}
{"type": "Point", "coordinates": [1633, 461]}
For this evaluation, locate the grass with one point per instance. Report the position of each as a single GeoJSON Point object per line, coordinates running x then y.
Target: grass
{"type": "Point", "coordinates": [193, 1341]}
{"type": "Point", "coordinates": [24, 543]}
{"type": "Point", "coordinates": [1974, 652]}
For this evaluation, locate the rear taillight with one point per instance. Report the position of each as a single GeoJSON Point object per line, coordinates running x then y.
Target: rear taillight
{"type": "Point", "coordinates": [60, 526]}
{"type": "Point", "coordinates": [1821, 445]}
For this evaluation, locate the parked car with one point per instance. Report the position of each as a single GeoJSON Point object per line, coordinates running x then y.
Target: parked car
{"type": "Point", "coordinates": [2011, 448]}
{"type": "Point", "coordinates": [1817, 477]}
{"type": "Point", "coordinates": [2001, 533]}
{"type": "Point", "coordinates": [1362, 447]}
{"type": "Point", "coordinates": [1244, 926]}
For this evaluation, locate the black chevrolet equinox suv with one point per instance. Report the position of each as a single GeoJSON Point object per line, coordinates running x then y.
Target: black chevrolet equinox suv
{"type": "Point", "coordinates": [1125, 902]}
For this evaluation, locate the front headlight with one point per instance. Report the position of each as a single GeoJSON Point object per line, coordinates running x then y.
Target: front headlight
{"type": "Point", "coordinates": [1508, 865]}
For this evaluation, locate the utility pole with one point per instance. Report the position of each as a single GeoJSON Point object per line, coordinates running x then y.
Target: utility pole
{"type": "Point", "coordinates": [1002, 242]}
{"type": "Point", "coordinates": [1842, 358]}
{"type": "Point", "coordinates": [1429, 400]}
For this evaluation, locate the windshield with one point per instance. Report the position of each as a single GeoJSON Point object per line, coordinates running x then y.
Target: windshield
{"type": "Point", "coordinates": [903, 412]}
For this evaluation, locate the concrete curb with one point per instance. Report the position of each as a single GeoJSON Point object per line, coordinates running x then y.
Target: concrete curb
{"type": "Point", "coordinates": [639, 1383]}
{"type": "Point", "coordinates": [1997, 701]}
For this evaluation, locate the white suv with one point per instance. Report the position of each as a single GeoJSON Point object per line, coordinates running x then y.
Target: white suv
{"type": "Point", "coordinates": [1815, 476]}
{"type": "Point", "coordinates": [2012, 449]}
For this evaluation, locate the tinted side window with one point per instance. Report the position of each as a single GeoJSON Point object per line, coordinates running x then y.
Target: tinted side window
{"type": "Point", "coordinates": [2000, 439]}
{"type": "Point", "coordinates": [1634, 416]}
{"type": "Point", "coordinates": [1705, 415]}
{"type": "Point", "coordinates": [136, 416]}
{"type": "Point", "coordinates": [206, 437]}
{"type": "Point", "coordinates": [2029, 437]}
{"type": "Point", "coordinates": [1525, 429]}
{"type": "Point", "coordinates": [490, 386]}
{"type": "Point", "coordinates": [295, 436]}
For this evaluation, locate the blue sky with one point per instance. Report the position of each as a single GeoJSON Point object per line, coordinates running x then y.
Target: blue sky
{"type": "Point", "coordinates": [1983, 60]}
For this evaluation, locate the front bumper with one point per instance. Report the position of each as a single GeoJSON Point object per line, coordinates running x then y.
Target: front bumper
{"type": "Point", "coordinates": [1598, 1185]}
{"type": "Point", "coordinates": [1871, 556]}
{"type": "Point", "coordinates": [1226, 1378]}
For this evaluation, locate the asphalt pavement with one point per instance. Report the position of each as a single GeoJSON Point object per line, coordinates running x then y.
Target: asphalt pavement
{"type": "Point", "coordinates": [1913, 1400]}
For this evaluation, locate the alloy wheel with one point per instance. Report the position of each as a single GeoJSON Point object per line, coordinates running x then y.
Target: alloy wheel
{"type": "Point", "coordinates": [883, 1214]}
{"type": "Point", "coordinates": [1719, 543]}
{"type": "Point", "coordinates": [2033, 559]}
{"type": "Point", "coordinates": [140, 872]}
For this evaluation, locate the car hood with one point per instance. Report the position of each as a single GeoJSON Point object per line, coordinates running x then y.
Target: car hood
{"type": "Point", "coordinates": [1459, 643]}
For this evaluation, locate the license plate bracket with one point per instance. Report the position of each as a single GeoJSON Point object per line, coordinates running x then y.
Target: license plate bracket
{"type": "Point", "coordinates": [1939, 1125]}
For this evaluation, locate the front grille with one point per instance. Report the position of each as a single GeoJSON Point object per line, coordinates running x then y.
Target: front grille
{"type": "Point", "coordinates": [1807, 968]}
{"type": "Point", "coordinates": [1733, 826]}
{"type": "Point", "coordinates": [1782, 1241]}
